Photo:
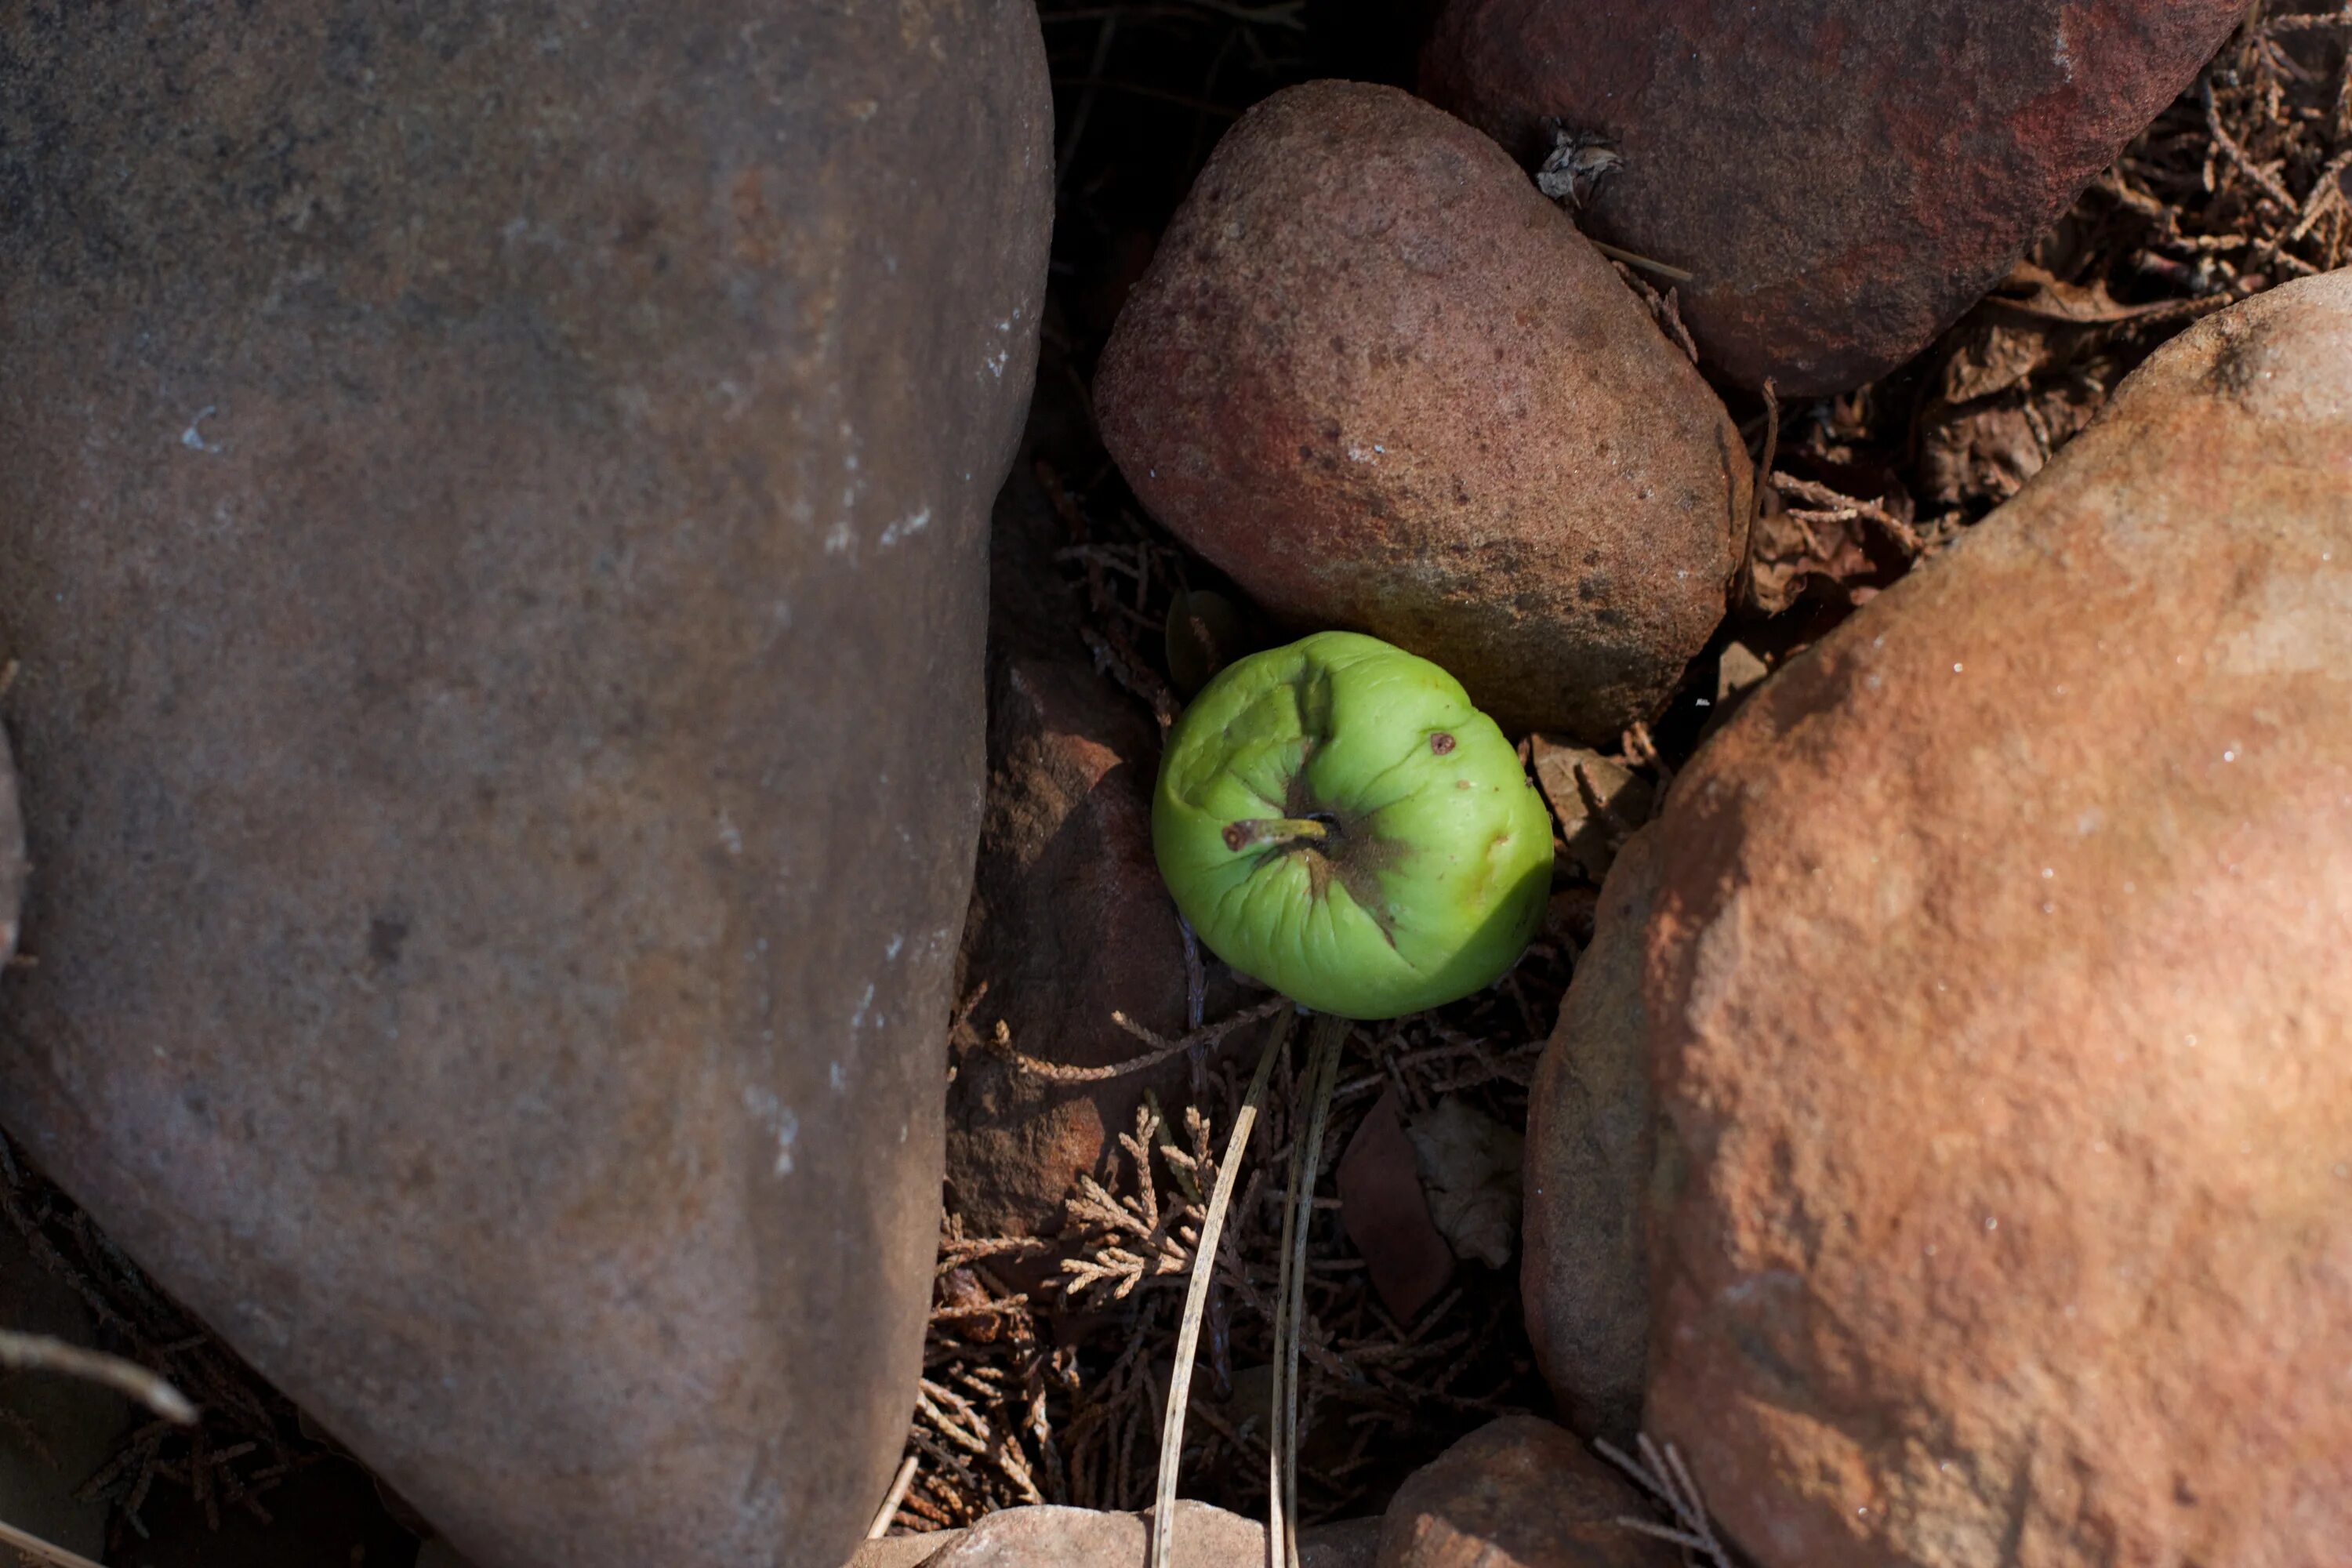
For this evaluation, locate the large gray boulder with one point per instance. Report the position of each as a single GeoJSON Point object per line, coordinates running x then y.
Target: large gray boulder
{"type": "Point", "coordinates": [493, 507]}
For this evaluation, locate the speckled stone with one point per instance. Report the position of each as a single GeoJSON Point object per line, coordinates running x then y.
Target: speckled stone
{"type": "Point", "coordinates": [494, 513]}
{"type": "Point", "coordinates": [1378, 378]}
{"type": "Point", "coordinates": [1517, 1493]}
{"type": "Point", "coordinates": [1997, 1004]}
{"type": "Point", "coordinates": [1585, 1282]}
{"type": "Point", "coordinates": [1844, 177]}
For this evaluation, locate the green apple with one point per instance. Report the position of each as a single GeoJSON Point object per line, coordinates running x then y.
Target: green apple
{"type": "Point", "coordinates": [1336, 819]}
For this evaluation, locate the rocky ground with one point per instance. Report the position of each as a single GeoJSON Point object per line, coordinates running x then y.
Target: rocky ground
{"type": "Point", "coordinates": [1097, 1056]}
{"type": "Point", "coordinates": [1046, 1389]}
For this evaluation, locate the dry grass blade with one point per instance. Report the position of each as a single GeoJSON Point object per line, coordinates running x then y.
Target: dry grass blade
{"type": "Point", "coordinates": [1324, 1043]}
{"type": "Point", "coordinates": [1281, 1446]}
{"type": "Point", "coordinates": [40, 1551]}
{"type": "Point", "coordinates": [1196, 1295]}
{"type": "Point", "coordinates": [39, 1352]}
{"type": "Point", "coordinates": [888, 1511]}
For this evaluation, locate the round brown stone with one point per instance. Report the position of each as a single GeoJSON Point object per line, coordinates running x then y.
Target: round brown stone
{"type": "Point", "coordinates": [1997, 1000]}
{"type": "Point", "coordinates": [1374, 375]}
{"type": "Point", "coordinates": [1842, 177]}
{"type": "Point", "coordinates": [1517, 1493]}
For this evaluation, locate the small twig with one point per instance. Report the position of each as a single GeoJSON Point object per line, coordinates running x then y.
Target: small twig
{"type": "Point", "coordinates": [888, 1514]}
{"type": "Point", "coordinates": [1123, 665]}
{"type": "Point", "coordinates": [1662, 1473]}
{"type": "Point", "coordinates": [957, 1251]}
{"type": "Point", "coordinates": [1664, 310]}
{"type": "Point", "coordinates": [1644, 262]}
{"type": "Point", "coordinates": [1163, 1049]}
{"type": "Point", "coordinates": [2238, 156]}
{"type": "Point", "coordinates": [39, 1352]}
{"type": "Point", "coordinates": [1196, 1294]}
{"type": "Point", "coordinates": [1832, 501]}
{"type": "Point", "coordinates": [1764, 469]}
{"type": "Point", "coordinates": [2278, 25]}
{"type": "Point", "coordinates": [2329, 189]}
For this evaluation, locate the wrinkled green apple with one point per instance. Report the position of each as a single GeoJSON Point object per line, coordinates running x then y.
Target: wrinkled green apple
{"type": "Point", "coordinates": [1336, 819]}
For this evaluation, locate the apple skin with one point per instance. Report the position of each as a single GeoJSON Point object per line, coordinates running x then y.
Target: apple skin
{"type": "Point", "coordinates": [1336, 820]}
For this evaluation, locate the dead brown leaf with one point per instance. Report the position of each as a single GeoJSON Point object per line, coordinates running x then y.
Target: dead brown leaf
{"type": "Point", "coordinates": [1470, 1169]}
{"type": "Point", "coordinates": [1597, 801]}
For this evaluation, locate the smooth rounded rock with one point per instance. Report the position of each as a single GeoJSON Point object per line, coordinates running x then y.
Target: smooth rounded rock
{"type": "Point", "coordinates": [1382, 382]}
{"type": "Point", "coordinates": [1517, 1493]}
{"type": "Point", "coordinates": [1044, 1536]}
{"type": "Point", "coordinates": [494, 518]}
{"type": "Point", "coordinates": [1589, 1145]}
{"type": "Point", "coordinates": [1997, 1002]}
{"type": "Point", "coordinates": [1842, 177]}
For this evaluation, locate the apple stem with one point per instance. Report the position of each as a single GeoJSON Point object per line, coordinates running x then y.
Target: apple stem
{"type": "Point", "coordinates": [1274, 831]}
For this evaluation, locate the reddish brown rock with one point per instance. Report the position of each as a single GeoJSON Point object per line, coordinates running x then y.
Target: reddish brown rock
{"type": "Point", "coordinates": [494, 520]}
{"type": "Point", "coordinates": [1997, 998]}
{"type": "Point", "coordinates": [1585, 1282]}
{"type": "Point", "coordinates": [897, 1551]}
{"type": "Point", "coordinates": [1378, 379]}
{"type": "Point", "coordinates": [1517, 1493]}
{"type": "Point", "coordinates": [1203, 1537]}
{"type": "Point", "coordinates": [1842, 178]}
{"type": "Point", "coordinates": [1070, 922]}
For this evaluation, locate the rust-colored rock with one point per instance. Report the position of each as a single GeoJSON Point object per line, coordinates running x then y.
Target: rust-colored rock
{"type": "Point", "coordinates": [1844, 177]}
{"type": "Point", "coordinates": [1517, 1493]}
{"type": "Point", "coordinates": [1585, 1282]}
{"type": "Point", "coordinates": [897, 1551]}
{"type": "Point", "coordinates": [1202, 1537]}
{"type": "Point", "coordinates": [1998, 1001]}
{"type": "Point", "coordinates": [1070, 922]}
{"type": "Point", "coordinates": [494, 520]}
{"type": "Point", "coordinates": [1379, 380]}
